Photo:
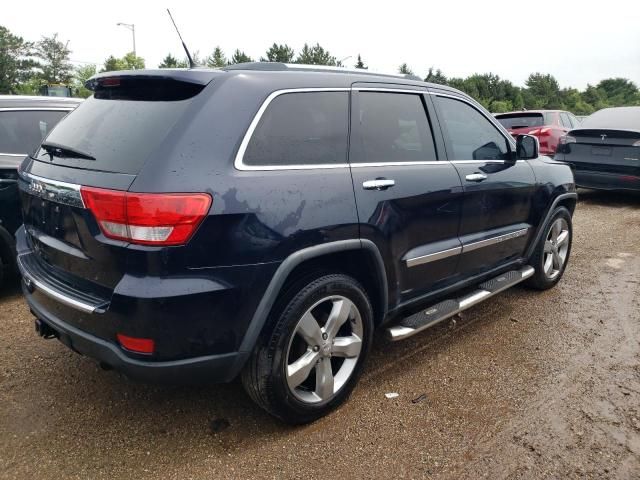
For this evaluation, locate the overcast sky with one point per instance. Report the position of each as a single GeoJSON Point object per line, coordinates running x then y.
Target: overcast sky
{"type": "Point", "coordinates": [578, 42]}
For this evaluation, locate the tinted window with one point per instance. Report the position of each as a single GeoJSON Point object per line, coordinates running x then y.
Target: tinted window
{"type": "Point", "coordinates": [471, 135]}
{"type": "Point", "coordinates": [309, 128]}
{"type": "Point", "coordinates": [392, 127]}
{"type": "Point", "coordinates": [521, 120]}
{"type": "Point", "coordinates": [119, 134]}
{"type": "Point", "coordinates": [574, 120]}
{"type": "Point", "coordinates": [564, 118]}
{"type": "Point", "coordinates": [22, 132]}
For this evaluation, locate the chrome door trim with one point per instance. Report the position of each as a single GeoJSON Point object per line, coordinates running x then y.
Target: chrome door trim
{"type": "Point", "coordinates": [469, 247]}
{"type": "Point", "coordinates": [13, 154]}
{"type": "Point", "coordinates": [432, 257]}
{"type": "Point", "coordinates": [239, 160]}
{"type": "Point", "coordinates": [52, 190]}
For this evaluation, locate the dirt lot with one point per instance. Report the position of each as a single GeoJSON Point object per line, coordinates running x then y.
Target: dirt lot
{"type": "Point", "coordinates": [527, 385]}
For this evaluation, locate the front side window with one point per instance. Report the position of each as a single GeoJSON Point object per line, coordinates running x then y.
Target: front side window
{"type": "Point", "coordinates": [301, 128]}
{"type": "Point", "coordinates": [391, 128]}
{"type": "Point", "coordinates": [22, 131]}
{"type": "Point", "coordinates": [471, 136]}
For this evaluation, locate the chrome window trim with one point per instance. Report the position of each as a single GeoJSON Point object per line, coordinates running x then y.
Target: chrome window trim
{"type": "Point", "coordinates": [399, 164]}
{"type": "Point", "coordinates": [491, 119]}
{"type": "Point", "coordinates": [464, 248]}
{"type": "Point", "coordinates": [239, 163]}
{"type": "Point", "coordinates": [54, 190]}
{"type": "Point", "coordinates": [392, 90]}
{"type": "Point", "coordinates": [36, 109]}
{"type": "Point", "coordinates": [13, 154]}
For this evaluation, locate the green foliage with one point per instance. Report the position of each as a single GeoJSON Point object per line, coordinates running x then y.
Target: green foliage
{"type": "Point", "coordinates": [80, 77]}
{"type": "Point", "coordinates": [172, 62]}
{"type": "Point", "coordinates": [360, 63]}
{"type": "Point", "coordinates": [128, 62]}
{"type": "Point", "coordinates": [405, 70]}
{"type": "Point", "coordinates": [436, 77]}
{"type": "Point", "coordinates": [240, 57]}
{"type": "Point", "coordinates": [16, 63]}
{"type": "Point", "coordinates": [54, 65]}
{"type": "Point", "coordinates": [315, 55]}
{"type": "Point", "coordinates": [279, 53]}
{"type": "Point", "coordinates": [216, 59]}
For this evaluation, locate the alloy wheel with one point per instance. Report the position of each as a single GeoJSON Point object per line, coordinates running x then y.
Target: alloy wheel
{"type": "Point", "coordinates": [324, 349]}
{"type": "Point", "coordinates": [556, 248]}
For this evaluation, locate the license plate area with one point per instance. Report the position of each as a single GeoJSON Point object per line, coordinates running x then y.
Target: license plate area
{"type": "Point", "coordinates": [601, 151]}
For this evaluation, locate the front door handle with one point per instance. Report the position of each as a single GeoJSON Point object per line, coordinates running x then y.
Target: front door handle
{"type": "Point", "coordinates": [378, 184]}
{"type": "Point", "coordinates": [475, 177]}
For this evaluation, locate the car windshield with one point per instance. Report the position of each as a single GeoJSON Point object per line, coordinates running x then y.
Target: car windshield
{"type": "Point", "coordinates": [22, 131]}
{"type": "Point", "coordinates": [521, 120]}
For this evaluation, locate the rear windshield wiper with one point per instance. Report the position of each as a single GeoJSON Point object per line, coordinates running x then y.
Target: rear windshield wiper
{"type": "Point", "coordinates": [55, 150]}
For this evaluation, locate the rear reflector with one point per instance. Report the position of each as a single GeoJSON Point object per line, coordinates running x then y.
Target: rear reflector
{"type": "Point", "coordinates": [147, 218]}
{"type": "Point", "coordinates": [137, 345]}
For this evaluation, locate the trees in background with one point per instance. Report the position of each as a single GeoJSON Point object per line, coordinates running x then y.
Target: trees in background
{"type": "Point", "coordinates": [25, 66]}
{"type": "Point", "coordinates": [279, 53]}
{"type": "Point", "coordinates": [129, 62]}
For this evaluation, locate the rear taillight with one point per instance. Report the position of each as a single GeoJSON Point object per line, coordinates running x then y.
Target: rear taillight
{"type": "Point", "coordinates": [636, 144]}
{"type": "Point", "coordinates": [545, 131]}
{"type": "Point", "coordinates": [567, 139]}
{"type": "Point", "coordinates": [534, 132]}
{"type": "Point", "coordinates": [147, 218]}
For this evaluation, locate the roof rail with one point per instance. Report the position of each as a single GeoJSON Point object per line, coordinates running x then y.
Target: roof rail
{"type": "Point", "coordinates": [280, 67]}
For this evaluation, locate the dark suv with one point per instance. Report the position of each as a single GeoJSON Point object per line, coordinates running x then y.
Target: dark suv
{"type": "Point", "coordinates": [24, 122]}
{"type": "Point", "coordinates": [264, 219]}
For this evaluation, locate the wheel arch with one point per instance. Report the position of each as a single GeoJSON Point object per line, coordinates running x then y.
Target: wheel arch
{"type": "Point", "coordinates": [311, 257]}
{"type": "Point", "coordinates": [567, 200]}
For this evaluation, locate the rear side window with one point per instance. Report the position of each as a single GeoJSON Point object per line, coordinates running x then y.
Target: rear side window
{"type": "Point", "coordinates": [391, 127]}
{"type": "Point", "coordinates": [22, 131]}
{"type": "Point", "coordinates": [305, 128]}
{"type": "Point", "coordinates": [564, 119]}
{"type": "Point", "coordinates": [471, 136]}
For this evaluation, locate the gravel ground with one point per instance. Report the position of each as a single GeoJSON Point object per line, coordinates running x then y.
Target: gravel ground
{"type": "Point", "coordinates": [526, 385]}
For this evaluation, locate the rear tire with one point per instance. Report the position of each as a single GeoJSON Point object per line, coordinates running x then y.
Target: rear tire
{"type": "Point", "coordinates": [551, 255]}
{"type": "Point", "coordinates": [312, 353]}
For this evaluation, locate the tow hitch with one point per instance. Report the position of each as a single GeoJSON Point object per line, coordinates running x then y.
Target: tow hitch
{"type": "Point", "coordinates": [44, 330]}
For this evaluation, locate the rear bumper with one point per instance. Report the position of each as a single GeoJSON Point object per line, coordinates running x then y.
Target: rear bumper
{"type": "Point", "coordinates": [205, 369]}
{"type": "Point", "coordinates": [606, 181]}
{"type": "Point", "coordinates": [197, 321]}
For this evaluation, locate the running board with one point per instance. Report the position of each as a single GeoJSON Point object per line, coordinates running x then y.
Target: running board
{"type": "Point", "coordinates": [448, 308]}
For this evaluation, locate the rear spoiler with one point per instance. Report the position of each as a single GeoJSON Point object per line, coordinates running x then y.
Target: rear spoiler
{"type": "Point", "coordinates": [609, 132]}
{"type": "Point", "coordinates": [184, 75]}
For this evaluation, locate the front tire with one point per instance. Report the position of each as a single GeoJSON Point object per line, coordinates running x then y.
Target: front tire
{"type": "Point", "coordinates": [311, 357]}
{"type": "Point", "coordinates": [551, 255]}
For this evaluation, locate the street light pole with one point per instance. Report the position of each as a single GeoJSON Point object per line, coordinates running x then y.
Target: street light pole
{"type": "Point", "coordinates": [131, 27]}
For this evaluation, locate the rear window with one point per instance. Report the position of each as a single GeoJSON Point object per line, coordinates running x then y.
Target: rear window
{"type": "Point", "coordinates": [22, 131]}
{"type": "Point", "coordinates": [623, 118]}
{"type": "Point", "coordinates": [521, 120]}
{"type": "Point", "coordinates": [306, 128]}
{"type": "Point", "coordinates": [118, 134]}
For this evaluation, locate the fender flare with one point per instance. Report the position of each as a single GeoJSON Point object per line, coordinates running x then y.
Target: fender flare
{"type": "Point", "coordinates": [547, 219]}
{"type": "Point", "coordinates": [280, 276]}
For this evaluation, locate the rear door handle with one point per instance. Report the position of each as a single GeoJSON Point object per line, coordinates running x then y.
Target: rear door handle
{"type": "Point", "coordinates": [475, 177]}
{"type": "Point", "coordinates": [378, 184]}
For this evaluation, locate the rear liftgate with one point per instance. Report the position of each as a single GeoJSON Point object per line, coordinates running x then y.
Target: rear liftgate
{"type": "Point", "coordinates": [448, 308]}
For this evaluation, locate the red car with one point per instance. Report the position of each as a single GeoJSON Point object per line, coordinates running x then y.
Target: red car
{"type": "Point", "coordinates": [547, 125]}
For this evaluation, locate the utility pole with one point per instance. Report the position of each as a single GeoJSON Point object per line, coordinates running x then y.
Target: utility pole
{"type": "Point", "coordinates": [131, 27]}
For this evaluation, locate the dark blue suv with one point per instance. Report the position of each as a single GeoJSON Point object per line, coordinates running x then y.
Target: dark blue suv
{"type": "Point", "coordinates": [262, 220]}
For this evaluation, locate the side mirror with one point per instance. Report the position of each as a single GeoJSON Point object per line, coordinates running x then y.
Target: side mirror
{"type": "Point", "coordinates": [527, 147]}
